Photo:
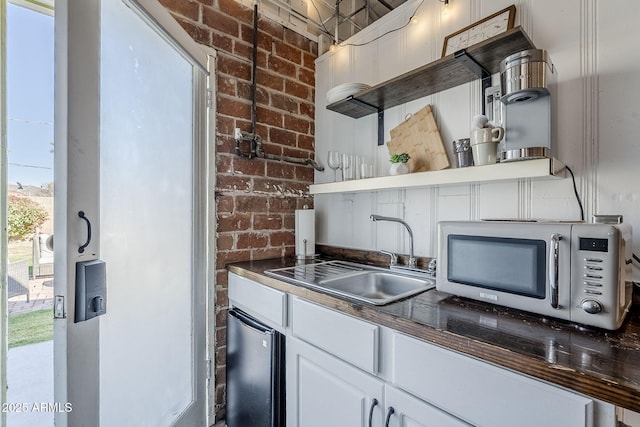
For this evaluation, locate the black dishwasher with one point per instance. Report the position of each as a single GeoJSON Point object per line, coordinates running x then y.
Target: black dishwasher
{"type": "Point", "coordinates": [255, 373]}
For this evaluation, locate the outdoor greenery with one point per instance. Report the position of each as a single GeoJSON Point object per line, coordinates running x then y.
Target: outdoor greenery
{"type": "Point", "coordinates": [30, 328]}
{"type": "Point", "coordinates": [24, 216]}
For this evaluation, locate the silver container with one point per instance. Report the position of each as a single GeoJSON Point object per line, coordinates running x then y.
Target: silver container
{"type": "Point", "coordinates": [463, 153]}
{"type": "Point", "coordinates": [525, 75]}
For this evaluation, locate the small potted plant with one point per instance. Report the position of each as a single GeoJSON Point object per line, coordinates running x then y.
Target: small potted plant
{"type": "Point", "coordinates": [399, 164]}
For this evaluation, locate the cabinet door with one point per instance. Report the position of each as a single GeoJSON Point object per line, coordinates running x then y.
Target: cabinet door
{"type": "Point", "coordinates": [324, 391]}
{"type": "Point", "coordinates": [409, 411]}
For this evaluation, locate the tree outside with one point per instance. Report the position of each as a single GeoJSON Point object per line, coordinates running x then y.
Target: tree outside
{"type": "Point", "coordinates": [24, 216]}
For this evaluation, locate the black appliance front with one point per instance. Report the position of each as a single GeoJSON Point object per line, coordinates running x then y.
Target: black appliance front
{"type": "Point", "coordinates": [255, 373]}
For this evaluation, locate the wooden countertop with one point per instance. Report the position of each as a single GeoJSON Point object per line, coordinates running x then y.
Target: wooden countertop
{"type": "Point", "coordinates": [601, 364]}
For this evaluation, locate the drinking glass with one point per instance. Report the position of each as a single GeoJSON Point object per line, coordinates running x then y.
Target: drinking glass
{"type": "Point", "coordinates": [347, 167]}
{"type": "Point", "coordinates": [334, 162]}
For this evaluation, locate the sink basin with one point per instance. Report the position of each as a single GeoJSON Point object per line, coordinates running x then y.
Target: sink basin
{"type": "Point", "coordinates": [373, 285]}
{"type": "Point", "coordinates": [377, 287]}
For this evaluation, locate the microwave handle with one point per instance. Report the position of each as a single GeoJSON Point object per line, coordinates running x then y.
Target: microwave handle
{"type": "Point", "coordinates": [554, 267]}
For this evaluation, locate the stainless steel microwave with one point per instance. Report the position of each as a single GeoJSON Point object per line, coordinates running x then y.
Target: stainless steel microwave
{"type": "Point", "coordinates": [573, 271]}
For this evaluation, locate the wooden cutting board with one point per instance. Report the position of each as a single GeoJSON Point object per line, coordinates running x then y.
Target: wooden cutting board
{"type": "Point", "coordinates": [420, 138]}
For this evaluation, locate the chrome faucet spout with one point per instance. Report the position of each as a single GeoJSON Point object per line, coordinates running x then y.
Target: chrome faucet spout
{"type": "Point", "coordinates": [412, 259]}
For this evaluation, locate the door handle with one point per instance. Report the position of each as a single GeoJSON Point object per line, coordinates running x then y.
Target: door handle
{"type": "Point", "coordinates": [554, 266]}
{"type": "Point", "coordinates": [84, 217]}
{"type": "Point", "coordinates": [374, 403]}
{"type": "Point", "coordinates": [390, 412]}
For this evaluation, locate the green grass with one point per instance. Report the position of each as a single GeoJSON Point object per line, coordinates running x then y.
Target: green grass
{"type": "Point", "coordinates": [30, 328]}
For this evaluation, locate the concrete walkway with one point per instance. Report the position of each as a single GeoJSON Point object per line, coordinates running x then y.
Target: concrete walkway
{"type": "Point", "coordinates": [30, 385]}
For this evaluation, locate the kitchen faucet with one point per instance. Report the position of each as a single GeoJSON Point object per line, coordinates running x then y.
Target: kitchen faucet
{"type": "Point", "coordinates": [412, 259]}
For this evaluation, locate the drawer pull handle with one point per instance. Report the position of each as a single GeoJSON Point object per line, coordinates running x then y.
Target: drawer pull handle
{"type": "Point", "coordinates": [390, 412]}
{"type": "Point", "coordinates": [374, 403]}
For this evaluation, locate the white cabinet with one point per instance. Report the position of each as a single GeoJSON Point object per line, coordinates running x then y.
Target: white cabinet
{"type": "Point", "coordinates": [324, 391]}
{"type": "Point", "coordinates": [344, 371]}
{"type": "Point", "coordinates": [404, 410]}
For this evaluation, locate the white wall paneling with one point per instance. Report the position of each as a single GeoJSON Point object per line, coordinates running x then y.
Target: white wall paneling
{"type": "Point", "coordinates": [591, 44]}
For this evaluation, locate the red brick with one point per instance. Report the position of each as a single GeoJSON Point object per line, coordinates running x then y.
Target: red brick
{"type": "Point", "coordinates": [253, 204]}
{"type": "Point", "coordinates": [273, 149]}
{"type": "Point", "coordinates": [225, 257]}
{"type": "Point", "coordinates": [281, 170]}
{"type": "Point", "coordinates": [269, 117]}
{"type": "Point", "coordinates": [237, 10]}
{"type": "Point", "coordinates": [252, 240]}
{"type": "Point", "coordinates": [288, 52]}
{"type": "Point", "coordinates": [296, 124]}
{"type": "Point", "coordinates": [297, 40]}
{"type": "Point", "coordinates": [245, 91]}
{"type": "Point", "coordinates": [219, 21]}
{"type": "Point", "coordinates": [224, 242]}
{"type": "Point", "coordinates": [289, 221]}
{"type": "Point", "coordinates": [248, 167]}
{"type": "Point", "coordinates": [309, 60]}
{"type": "Point", "coordinates": [222, 297]}
{"type": "Point", "coordinates": [305, 173]}
{"type": "Point", "coordinates": [188, 9]}
{"type": "Point", "coordinates": [237, 221]}
{"type": "Point", "coordinates": [282, 136]}
{"type": "Point", "coordinates": [199, 34]}
{"type": "Point", "coordinates": [226, 85]}
{"type": "Point", "coordinates": [245, 51]}
{"type": "Point", "coordinates": [282, 238]}
{"type": "Point", "coordinates": [306, 76]}
{"type": "Point", "coordinates": [282, 102]}
{"type": "Point", "coordinates": [308, 109]}
{"type": "Point", "coordinates": [234, 67]}
{"type": "Point", "coordinates": [224, 203]}
{"type": "Point", "coordinates": [225, 125]}
{"type": "Point", "coordinates": [225, 144]}
{"type": "Point", "coordinates": [267, 222]}
{"type": "Point", "coordinates": [306, 142]}
{"type": "Point", "coordinates": [232, 182]}
{"type": "Point", "coordinates": [222, 42]}
{"type": "Point", "coordinates": [224, 164]}
{"type": "Point", "coordinates": [232, 107]}
{"type": "Point", "coordinates": [270, 80]}
{"type": "Point", "coordinates": [282, 67]}
{"type": "Point", "coordinates": [267, 185]}
{"type": "Point", "coordinates": [222, 278]}
{"type": "Point", "coordinates": [298, 90]}
{"type": "Point", "coordinates": [264, 40]}
{"type": "Point", "coordinates": [266, 253]}
{"type": "Point", "coordinates": [268, 26]}
{"type": "Point", "coordinates": [282, 204]}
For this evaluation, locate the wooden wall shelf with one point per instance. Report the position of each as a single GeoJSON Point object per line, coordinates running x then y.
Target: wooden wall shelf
{"type": "Point", "coordinates": [444, 73]}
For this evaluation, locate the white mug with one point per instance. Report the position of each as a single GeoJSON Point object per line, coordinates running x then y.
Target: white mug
{"type": "Point", "coordinates": [484, 135]}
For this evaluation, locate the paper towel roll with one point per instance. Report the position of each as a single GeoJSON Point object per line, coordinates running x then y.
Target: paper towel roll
{"type": "Point", "coordinates": [305, 233]}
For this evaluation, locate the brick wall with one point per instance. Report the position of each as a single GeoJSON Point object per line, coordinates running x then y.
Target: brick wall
{"type": "Point", "coordinates": [255, 199]}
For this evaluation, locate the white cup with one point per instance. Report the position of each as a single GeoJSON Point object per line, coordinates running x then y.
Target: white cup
{"type": "Point", "coordinates": [484, 145]}
{"type": "Point", "coordinates": [484, 135]}
{"type": "Point", "coordinates": [484, 154]}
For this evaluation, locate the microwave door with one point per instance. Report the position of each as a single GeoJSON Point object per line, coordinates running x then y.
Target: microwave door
{"type": "Point", "coordinates": [524, 267]}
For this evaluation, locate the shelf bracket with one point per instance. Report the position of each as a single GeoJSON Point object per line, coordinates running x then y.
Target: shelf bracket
{"type": "Point", "coordinates": [377, 110]}
{"type": "Point", "coordinates": [465, 59]}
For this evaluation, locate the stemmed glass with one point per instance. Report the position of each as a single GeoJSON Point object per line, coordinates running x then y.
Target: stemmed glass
{"type": "Point", "coordinates": [334, 162]}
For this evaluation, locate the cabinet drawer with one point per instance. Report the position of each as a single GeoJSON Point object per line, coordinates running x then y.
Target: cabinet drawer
{"type": "Point", "coordinates": [266, 304]}
{"type": "Point", "coordinates": [483, 394]}
{"type": "Point", "coordinates": [346, 337]}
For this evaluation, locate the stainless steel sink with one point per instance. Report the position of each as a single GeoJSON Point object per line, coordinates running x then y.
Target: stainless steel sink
{"type": "Point", "coordinates": [373, 285]}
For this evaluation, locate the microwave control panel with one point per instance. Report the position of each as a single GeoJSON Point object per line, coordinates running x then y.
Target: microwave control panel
{"type": "Point", "coordinates": [598, 274]}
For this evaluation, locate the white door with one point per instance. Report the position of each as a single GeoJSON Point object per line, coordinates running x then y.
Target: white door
{"type": "Point", "coordinates": [129, 153]}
